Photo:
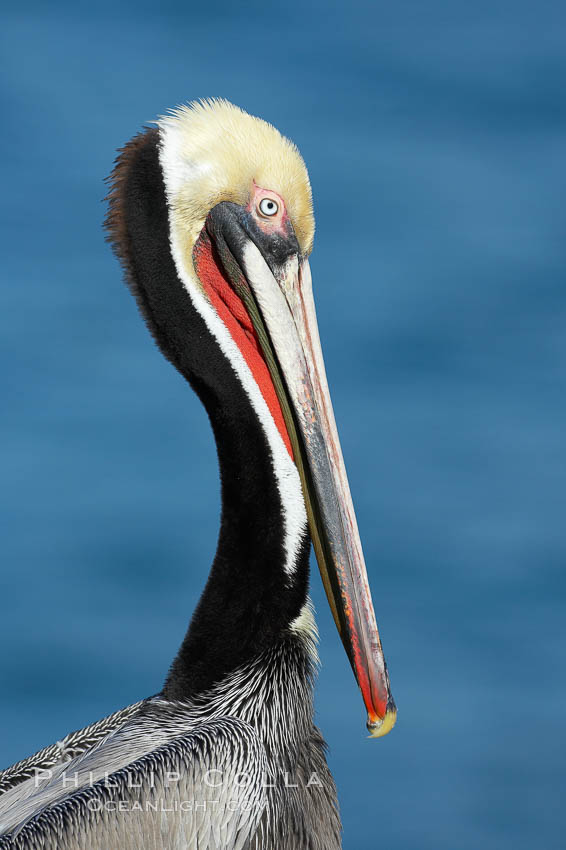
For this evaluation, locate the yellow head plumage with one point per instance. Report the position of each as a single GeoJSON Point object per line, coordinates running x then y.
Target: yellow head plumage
{"type": "Point", "coordinates": [215, 153]}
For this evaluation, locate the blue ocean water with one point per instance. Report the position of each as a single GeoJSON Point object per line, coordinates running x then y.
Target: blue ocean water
{"type": "Point", "coordinates": [435, 136]}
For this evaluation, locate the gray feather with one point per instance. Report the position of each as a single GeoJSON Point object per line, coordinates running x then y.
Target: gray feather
{"type": "Point", "coordinates": [257, 722]}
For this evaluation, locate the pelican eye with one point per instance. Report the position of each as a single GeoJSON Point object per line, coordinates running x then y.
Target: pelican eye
{"type": "Point", "coordinates": [269, 207]}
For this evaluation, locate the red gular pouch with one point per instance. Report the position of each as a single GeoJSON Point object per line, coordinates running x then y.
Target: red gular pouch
{"type": "Point", "coordinates": [232, 311]}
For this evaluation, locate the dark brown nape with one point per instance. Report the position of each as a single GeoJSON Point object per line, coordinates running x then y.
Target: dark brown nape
{"type": "Point", "coordinates": [130, 170]}
{"type": "Point", "coordinates": [115, 222]}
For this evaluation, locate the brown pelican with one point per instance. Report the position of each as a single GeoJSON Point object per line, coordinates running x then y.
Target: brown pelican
{"type": "Point", "coordinates": [211, 216]}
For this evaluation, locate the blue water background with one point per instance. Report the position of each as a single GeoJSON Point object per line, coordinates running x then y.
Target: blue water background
{"type": "Point", "coordinates": [435, 135]}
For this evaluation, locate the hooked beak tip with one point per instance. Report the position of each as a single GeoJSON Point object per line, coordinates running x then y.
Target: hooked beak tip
{"type": "Point", "coordinates": [380, 726]}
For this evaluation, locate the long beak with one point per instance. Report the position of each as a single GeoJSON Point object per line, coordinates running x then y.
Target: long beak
{"type": "Point", "coordinates": [281, 307]}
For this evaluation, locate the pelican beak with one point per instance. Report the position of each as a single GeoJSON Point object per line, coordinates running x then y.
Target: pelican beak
{"type": "Point", "coordinates": [274, 282]}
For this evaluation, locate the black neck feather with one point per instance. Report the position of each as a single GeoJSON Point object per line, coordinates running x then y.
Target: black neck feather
{"type": "Point", "coordinates": [249, 601]}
